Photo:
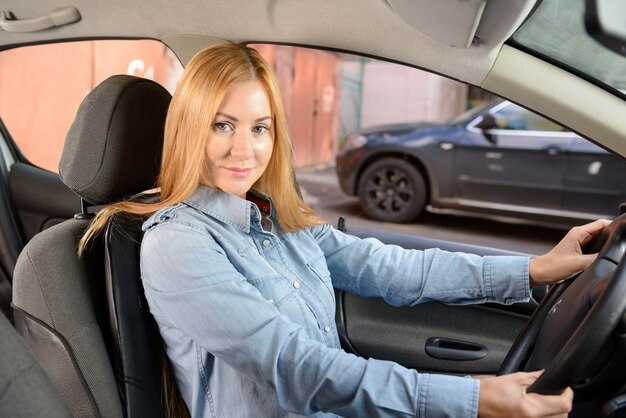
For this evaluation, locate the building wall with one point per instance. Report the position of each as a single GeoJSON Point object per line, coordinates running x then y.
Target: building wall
{"type": "Point", "coordinates": [309, 81]}
{"type": "Point", "coordinates": [392, 93]}
{"type": "Point", "coordinates": [42, 87]}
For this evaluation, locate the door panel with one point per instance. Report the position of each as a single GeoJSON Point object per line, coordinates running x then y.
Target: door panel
{"type": "Point", "coordinates": [592, 183]}
{"type": "Point", "coordinates": [500, 173]}
{"type": "Point", "coordinates": [376, 329]}
{"type": "Point", "coordinates": [371, 328]}
{"type": "Point", "coordinates": [40, 198]}
{"type": "Point", "coordinates": [495, 167]}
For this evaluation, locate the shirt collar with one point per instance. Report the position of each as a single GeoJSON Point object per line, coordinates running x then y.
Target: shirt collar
{"type": "Point", "coordinates": [263, 201]}
{"type": "Point", "coordinates": [229, 208]}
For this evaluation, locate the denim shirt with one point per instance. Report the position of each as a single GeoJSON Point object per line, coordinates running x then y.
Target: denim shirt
{"type": "Point", "coordinates": [247, 315]}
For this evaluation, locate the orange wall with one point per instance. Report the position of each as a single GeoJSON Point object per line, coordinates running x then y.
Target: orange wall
{"type": "Point", "coordinates": [38, 126]}
{"type": "Point", "coordinates": [309, 80]}
{"type": "Point", "coordinates": [42, 87]}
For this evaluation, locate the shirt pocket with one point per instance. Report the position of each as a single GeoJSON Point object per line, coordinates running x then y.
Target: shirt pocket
{"type": "Point", "coordinates": [318, 265]}
{"type": "Point", "coordinates": [273, 288]}
{"type": "Point", "coordinates": [280, 293]}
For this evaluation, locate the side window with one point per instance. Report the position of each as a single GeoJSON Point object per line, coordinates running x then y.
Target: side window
{"type": "Point", "coordinates": [514, 117]}
{"type": "Point", "coordinates": [327, 96]}
{"type": "Point", "coordinates": [43, 85]}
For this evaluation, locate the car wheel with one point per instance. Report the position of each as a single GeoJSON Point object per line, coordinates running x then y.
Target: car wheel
{"type": "Point", "coordinates": [392, 190]}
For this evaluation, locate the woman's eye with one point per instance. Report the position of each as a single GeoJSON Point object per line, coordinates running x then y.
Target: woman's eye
{"type": "Point", "coordinates": [222, 126]}
{"type": "Point", "coordinates": [260, 129]}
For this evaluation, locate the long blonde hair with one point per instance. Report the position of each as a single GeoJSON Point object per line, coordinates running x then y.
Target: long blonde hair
{"type": "Point", "coordinates": [189, 118]}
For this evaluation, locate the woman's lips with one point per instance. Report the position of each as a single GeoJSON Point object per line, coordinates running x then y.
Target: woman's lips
{"type": "Point", "coordinates": [238, 172]}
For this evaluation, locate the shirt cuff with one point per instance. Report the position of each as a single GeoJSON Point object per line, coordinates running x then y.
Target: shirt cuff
{"type": "Point", "coordinates": [448, 396]}
{"type": "Point", "coordinates": [506, 279]}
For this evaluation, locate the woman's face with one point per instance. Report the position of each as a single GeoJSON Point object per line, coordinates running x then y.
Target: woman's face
{"type": "Point", "coordinates": [241, 139]}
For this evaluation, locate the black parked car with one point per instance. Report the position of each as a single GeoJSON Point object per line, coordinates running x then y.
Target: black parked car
{"type": "Point", "coordinates": [496, 160]}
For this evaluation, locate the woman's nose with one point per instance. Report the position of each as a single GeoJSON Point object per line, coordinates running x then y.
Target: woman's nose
{"type": "Point", "coordinates": [242, 145]}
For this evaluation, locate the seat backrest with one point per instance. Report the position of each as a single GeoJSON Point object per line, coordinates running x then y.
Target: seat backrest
{"type": "Point", "coordinates": [73, 320]}
{"type": "Point", "coordinates": [137, 351]}
{"type": "Point", "coordinates": [58, 302]}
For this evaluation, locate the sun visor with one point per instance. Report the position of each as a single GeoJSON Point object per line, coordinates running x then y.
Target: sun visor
{"type": "Point", "coordinates": [451, 22]}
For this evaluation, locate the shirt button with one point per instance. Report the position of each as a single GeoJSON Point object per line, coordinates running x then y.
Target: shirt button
{"type": "Point", "coordinates": [266, 242]}
{"type": "Point", "coordinates": [296, 284]}
{"type": "Point", "coordinates": [326, 328]}
{"type": "Point", "coordinates": [271, 301]}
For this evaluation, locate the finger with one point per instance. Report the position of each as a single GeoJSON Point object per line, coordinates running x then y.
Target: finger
{"type": "Point", "coordinates": [586, 260]}
{"type": "Point", "coordinates": [535, 373]}
{"type": "Point", "coordinates": [526, 379]}
{"type": "Point", "coordinates": [551, 404]}
{"type": "Point", "coordinates": [569, 393]}
{"type": "Point", "coordinates": [596, 225]}
{"type": "Point", "coordinates": [580, 263]}
{"type": "Point", "coordinates": [592, 228]}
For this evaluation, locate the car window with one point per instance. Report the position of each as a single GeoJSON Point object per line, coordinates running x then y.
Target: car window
{"type": "Point", "coordinates": [43, 85]}
{"type": "Point", "coordinates": [412, 148]}
{"type": "Point", "coordinates": [514, 117]}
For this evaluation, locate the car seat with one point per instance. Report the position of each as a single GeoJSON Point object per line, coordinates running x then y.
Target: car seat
{"type": "Point", "coordinates": [25, 388]}
{"type": "Point", "coordinates": [85, 318]}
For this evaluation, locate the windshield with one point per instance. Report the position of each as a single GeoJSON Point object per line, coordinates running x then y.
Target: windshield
{"type": "Point", "coordinates": [557, 30]}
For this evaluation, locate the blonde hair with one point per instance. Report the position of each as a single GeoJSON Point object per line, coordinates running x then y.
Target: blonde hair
{"type": "Point", "coordinates": [191, 113]}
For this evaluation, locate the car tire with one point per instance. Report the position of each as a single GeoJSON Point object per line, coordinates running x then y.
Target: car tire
{"type": "Point", "coordinates": [392, 190]}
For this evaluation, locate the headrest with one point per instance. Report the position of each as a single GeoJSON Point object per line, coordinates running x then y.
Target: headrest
{"type": "Point", "coordinates": [113, 148]}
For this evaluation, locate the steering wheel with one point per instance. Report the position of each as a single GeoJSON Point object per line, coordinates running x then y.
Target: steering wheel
{"type": "Point", "coordinates": [578, 332]}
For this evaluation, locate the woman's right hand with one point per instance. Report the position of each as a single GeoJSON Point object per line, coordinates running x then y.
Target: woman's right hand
{"type": "Point", "coordinates": [505, 396]}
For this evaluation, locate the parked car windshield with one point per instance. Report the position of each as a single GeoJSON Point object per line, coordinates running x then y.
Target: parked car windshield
{"type": "Point", "coordinates": [557, 30]}
{"type": "Point", "coordinates": [472, 113]}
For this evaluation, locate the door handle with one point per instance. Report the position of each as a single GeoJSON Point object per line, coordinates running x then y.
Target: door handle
{"type": "Point", "coordinates": [449, 349]}
{"type": "Point", "coordinates": [58, 17]}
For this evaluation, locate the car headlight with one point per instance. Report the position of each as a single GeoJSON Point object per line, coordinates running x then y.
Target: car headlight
{"type": "Point", "coordinates": [354, 141]}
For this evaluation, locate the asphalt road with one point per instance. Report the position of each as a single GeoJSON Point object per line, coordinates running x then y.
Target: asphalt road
{"type": "Point", "coordinates": [321, 191]}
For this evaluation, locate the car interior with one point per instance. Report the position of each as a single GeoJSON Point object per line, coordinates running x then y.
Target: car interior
{"type": "Point", "coordinates": [107, 347]}
{"type": "Point", "coordinates": [93, 349]}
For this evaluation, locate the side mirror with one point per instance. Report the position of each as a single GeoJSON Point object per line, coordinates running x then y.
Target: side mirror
{"type": "Point", "coordinates": [604, 22]}
{"type": "Point", "coordinates": [486, 123]}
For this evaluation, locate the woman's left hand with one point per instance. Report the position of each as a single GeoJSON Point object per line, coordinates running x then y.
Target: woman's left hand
{"type": "Point", "coordinates": [566, 258]}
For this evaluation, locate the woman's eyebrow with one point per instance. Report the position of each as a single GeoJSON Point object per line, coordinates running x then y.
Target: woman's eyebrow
{"type": "Point", "coordinates": [234, 119]}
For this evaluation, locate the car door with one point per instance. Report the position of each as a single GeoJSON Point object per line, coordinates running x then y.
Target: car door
{"type": "Point", "coordinates": [31, 199]}
{"type": "Point", "coordinates": [431, 336]}
{"type": "Point", "coordinates": [592, 183]}
{"type": "Point", "coordinates": [493, 166]}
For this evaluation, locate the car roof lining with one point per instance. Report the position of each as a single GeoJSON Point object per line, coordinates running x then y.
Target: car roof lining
{"type": "Point", "coordinates": [326, 23]}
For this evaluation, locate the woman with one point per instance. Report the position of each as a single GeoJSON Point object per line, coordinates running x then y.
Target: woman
{"type": "Point", "coordinates": [239, 272]}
